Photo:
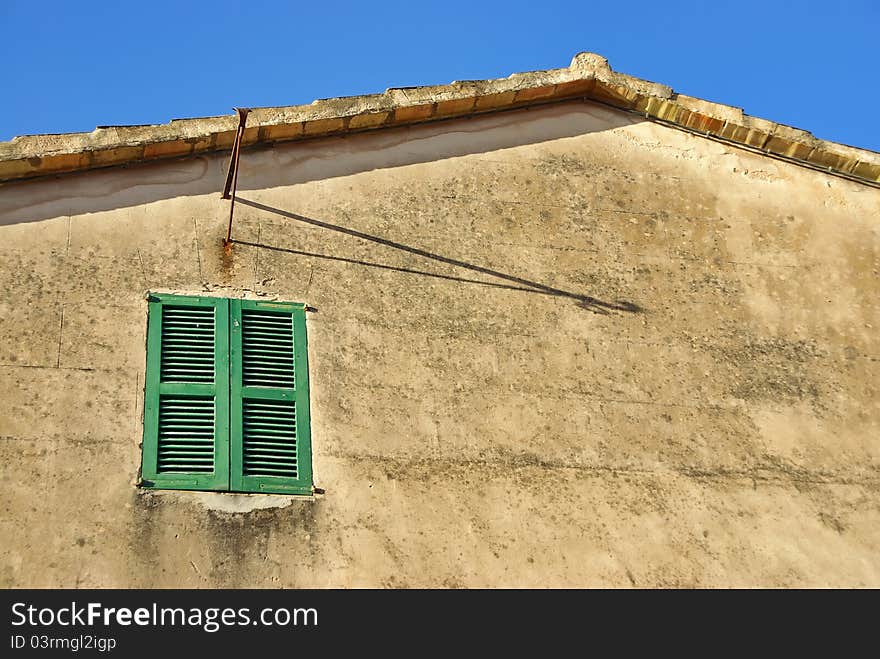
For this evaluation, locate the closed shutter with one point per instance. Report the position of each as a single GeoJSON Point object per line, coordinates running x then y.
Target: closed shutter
{"type": "Point", "coordinates": [186, 403]}
{"type": "Point", "coordinates": [270, 447]}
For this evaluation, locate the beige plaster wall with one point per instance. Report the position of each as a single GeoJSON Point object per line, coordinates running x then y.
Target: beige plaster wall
{"type": "Point", "coordinates": [557, 347]}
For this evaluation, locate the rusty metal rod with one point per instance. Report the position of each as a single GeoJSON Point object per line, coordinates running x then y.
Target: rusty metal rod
{"type": "Point", "coordinates": [232, 172]}
{"type": "Point", "coordinates": [228, 185]}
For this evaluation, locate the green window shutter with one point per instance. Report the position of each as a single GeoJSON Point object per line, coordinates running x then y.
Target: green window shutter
{"type": "Point", "coordinates": [186, 401]}
{"type": "Point", "coordinates": [270, 449]}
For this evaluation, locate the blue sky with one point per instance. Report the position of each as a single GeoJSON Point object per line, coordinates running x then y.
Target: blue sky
{"type": "Point", "coordinates": [70, 66]}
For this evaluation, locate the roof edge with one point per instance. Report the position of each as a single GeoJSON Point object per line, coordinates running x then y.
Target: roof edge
{"type": "Point", "coordinates": [588, 77]}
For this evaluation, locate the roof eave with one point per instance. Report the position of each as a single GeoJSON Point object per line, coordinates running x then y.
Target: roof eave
{"type": "Point", "coordinates": [588, 77]}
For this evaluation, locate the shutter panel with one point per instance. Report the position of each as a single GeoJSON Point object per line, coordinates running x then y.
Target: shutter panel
{"type": "Point", "coordinates": [186, 403]}
{"type": "Point", "coordinates": [270, 448]}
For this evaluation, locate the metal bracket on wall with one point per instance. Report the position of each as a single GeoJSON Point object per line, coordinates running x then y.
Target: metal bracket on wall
{"type": "Point", "coordinates": [232, 172]}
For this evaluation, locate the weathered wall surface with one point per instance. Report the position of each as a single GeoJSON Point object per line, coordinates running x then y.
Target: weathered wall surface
{"type": "Point", "coordinates": [669, 377]}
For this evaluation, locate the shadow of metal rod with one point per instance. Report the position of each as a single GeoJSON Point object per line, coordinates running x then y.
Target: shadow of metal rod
{"type": "Point", "coordinates": [586, 301]}
{"type": "Point", "coordinates": [393, 268]}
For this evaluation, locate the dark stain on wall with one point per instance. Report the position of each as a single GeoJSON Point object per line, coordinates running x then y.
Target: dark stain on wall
{"type": "Point", "coordinates": [239, 542]}
{"type": "Point", "coordinates": [146, 521]}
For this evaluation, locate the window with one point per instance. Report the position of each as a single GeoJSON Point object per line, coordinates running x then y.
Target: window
{"type": "Point", "coordinates": [226, 402]}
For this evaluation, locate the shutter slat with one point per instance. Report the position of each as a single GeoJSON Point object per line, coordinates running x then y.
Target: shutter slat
{"type": "Point", "coordinates": [269, 331]}
{"type": "Point", "coordinates": [269, 429]}
{"type": "Point", "coordinates": [269, 452]}
{"type": "Point", "coordinates": [269, 438]}
{"type": "Point", "coordinates": [268, 471]}
{"type": "Point", "coordinates": [189, 358]}
{"type": "Point", "coordinates": [196, 345]}
{"type": "Point", "coordinates": [253, 464]}
{"type": "Point", "coordinates": [187, 429]}
{"type": "Point", "coordinates": [281, 420]}
{"type": "Point", "coordinates": [187, 344]}
{"type": "Point", "coordinates": [267, 319]}
{"type": "Point", "coordinates": [261, 368]}
{"type": "Point", "coordinates": [186, 444]}
{"type": "Point", "coordinates": [267, 349]}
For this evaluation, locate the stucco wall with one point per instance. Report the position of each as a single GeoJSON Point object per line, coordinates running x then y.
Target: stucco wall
{"type": "Point", "coordinates": [554, 347]}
